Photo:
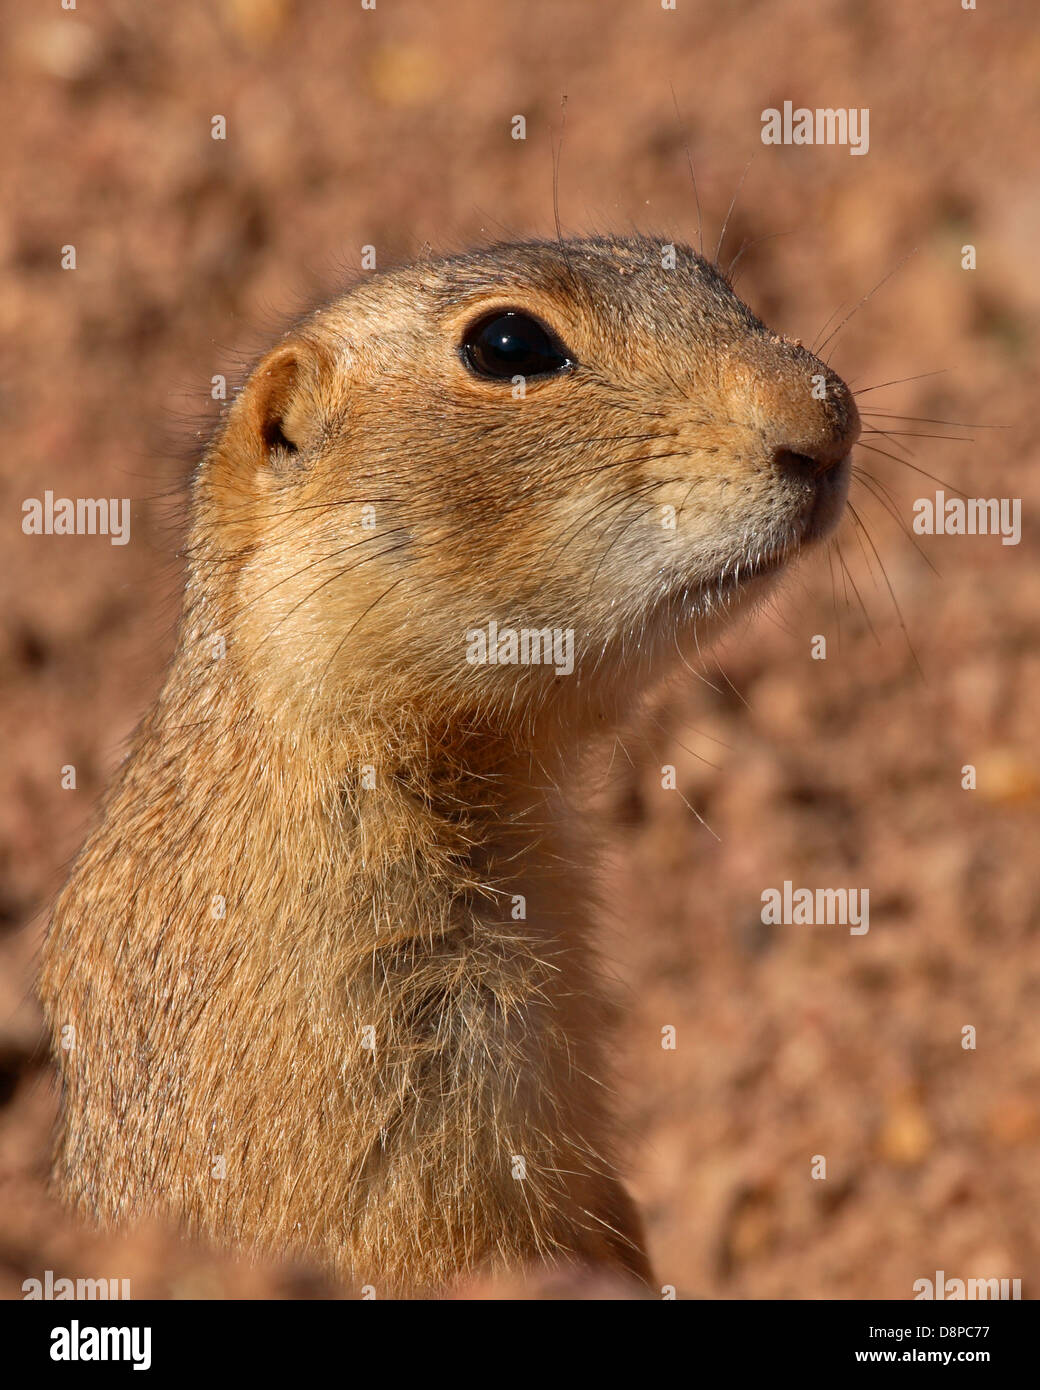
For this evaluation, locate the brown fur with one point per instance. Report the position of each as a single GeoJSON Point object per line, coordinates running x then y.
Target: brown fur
{"type": "Point", "coordinates": [201, 1035]}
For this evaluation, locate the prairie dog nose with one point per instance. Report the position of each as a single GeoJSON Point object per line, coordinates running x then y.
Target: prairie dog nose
{"type": "Point", "coordinates": [813, 420]}
{"type": "Point", "coordinates": [816, 457]}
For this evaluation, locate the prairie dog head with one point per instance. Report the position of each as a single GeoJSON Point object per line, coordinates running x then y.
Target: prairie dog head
{"type": "Point", "coordinates": [553, 438]}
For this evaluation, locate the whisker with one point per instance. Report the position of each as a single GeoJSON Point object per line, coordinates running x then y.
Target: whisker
{"type": "Point", "coordinates": [857, 532]}
{"type": "Point", "coordinates": [834, 593]}
{"type": "Point", "coordinates": [927, 420]}
{"type": "Point", "coordinates": [747, 246]}
{"type": "Point", "coordinates": [631, 522]}
{"type": "Point", "coordinates": [863, 390]}
{"type": "Point", "coordinates": [321, 560]}
{"type": "Point", "coordinates": [859, 596]}
{"type": "Point", "coordinates": [907, 464]}
{"type": "Point", "coordinates": [830, 319]}
{"type": "Point", "coordinates": [557, 153]}
{"type": "Point", "coordinates": [320, 682]}
{"type": "Point", "coordinates": [870, 482]}
{"type": "Point", "coordinates": [670, 736]}
{"type": "Point", "coordinates": [693, 810]}
{"type": "Point", "coordinates": [833, 333]}
{"type": "Point", "coordinates": [885, 434]}
{"type": "Point", "coordinates": [891, 591]}
{"type": "Point", "coordinates": [844, 573]}
{"type": "Point", "coordinates": [729, 211]}
{"type": "Point", "coordinates": [689, 160]}
{"type": "Point", "coordinates": [916, 434]}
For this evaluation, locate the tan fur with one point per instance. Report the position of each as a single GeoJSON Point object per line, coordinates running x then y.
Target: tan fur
{"type": "Point", "coordinates": [201, 1036]}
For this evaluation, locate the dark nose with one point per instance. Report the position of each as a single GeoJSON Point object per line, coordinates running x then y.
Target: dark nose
{"type": "Point", "coordinates": [817, 457]}
{"type": "Point", "coordinates": [816, 434]}
{"type": "Point", "coordinates": [806, 413]}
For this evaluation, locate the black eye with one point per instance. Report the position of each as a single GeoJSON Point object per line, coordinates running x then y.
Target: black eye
{"type": "Point", "coordinates": [512, 344]}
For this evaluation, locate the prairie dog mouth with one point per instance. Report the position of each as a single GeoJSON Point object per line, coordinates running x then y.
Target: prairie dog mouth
{"type": "Point", "coordinates": [820, 511]}
{"type": "Point", "coordinates": [819, 521]}
{"type": "Point", "coordinates": [832, 491]}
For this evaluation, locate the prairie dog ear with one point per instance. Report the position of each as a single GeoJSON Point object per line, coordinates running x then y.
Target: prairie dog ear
{"type": "Point", "coordinates": [276, 422]}
{"type": "Point", "coordinates": [278, 414]}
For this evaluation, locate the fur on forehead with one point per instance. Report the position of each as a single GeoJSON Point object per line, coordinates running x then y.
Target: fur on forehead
{"type": "Point", "coordinates": [621, 281]}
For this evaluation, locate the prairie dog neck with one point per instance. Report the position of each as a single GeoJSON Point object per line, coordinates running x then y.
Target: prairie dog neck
{"type": "Point", "coordinates": [411, 964]}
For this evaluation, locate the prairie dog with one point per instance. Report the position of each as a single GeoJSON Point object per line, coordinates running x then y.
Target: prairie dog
{"type": "Point", "coordinates": [326, 953]}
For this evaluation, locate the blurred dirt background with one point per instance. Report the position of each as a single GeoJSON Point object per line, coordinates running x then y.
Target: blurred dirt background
{"type": "Point", "coordinates": [391, 127]}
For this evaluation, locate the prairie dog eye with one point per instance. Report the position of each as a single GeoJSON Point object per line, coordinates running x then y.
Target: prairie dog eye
{"type": "Point", "coordinates": [504, 345]}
